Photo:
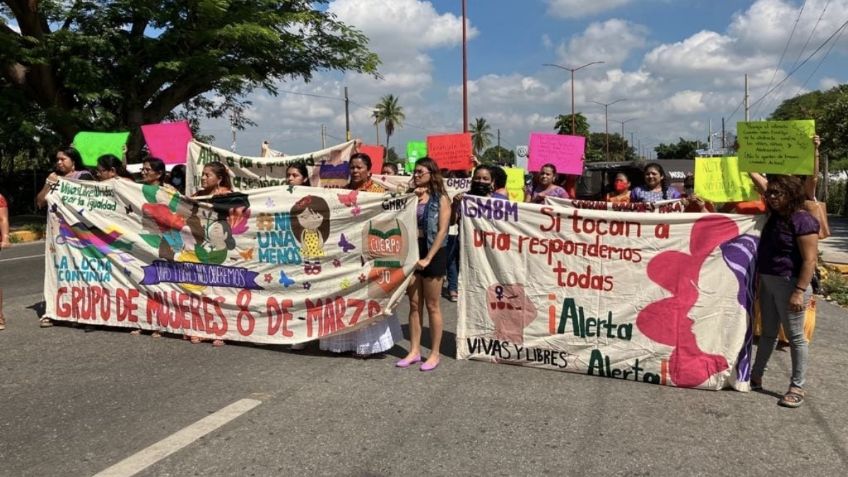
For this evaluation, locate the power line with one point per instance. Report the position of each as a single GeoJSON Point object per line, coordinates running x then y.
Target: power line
{"type": "Point", "coordinates": [786, 47]}
{"type": "Point", "coordinates": [803, 85]}
{"type": "Point", "coordinates": [312, 95]}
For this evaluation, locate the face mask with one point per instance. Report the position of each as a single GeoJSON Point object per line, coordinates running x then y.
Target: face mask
{"type": "Point", "coordinates": [480, 188]}
{"type": "Point", "coordinates": [620, 186]}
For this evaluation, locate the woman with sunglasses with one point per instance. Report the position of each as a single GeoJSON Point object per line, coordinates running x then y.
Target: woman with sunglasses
{"type": "Point", "coordinates": [433, 213]}
{"type": "Point", "coordinates": [786, 260]}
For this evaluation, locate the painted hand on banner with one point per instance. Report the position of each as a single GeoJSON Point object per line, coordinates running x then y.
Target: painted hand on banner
{"type": "Point", "coordinates": [510, 310]}
{"type": "Point", "coordinates": [667, 321]}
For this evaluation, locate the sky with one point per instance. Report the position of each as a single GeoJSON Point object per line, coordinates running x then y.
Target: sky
{"type": "Point", "coordinates": [677, 65]}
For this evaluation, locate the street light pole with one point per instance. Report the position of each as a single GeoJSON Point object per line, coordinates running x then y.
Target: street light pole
{"type": "Point", "coordinates": [606, 122]}
{"type": "Point", "coordinates": [624, 141]}
{"type": "Point", "coordinates": [572, 70]}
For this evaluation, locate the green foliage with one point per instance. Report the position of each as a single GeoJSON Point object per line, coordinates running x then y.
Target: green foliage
{"type": "Point", "coordinates": [684, 149]}
{"type": "Point", "coordinates": [498, 155]}
{"type": "Point", "coordinates": [834, 285]}
{"type": "Point", "coordinates": [619, 148]}
{"type": "Point", "coordinates": [836, 197]}
{"type": "Point", "coordinates": [563, 124]}
{"type": "Point", "coordinates": [114, 65]}
{"type": "Point", "coordinates": [390, 113]}
{"type": "Point", "coordinates": [392, 156]}
{"type": "Point", "coordinates": [481, 135]}
{"type": "Point", "coordinates": [830, 111]}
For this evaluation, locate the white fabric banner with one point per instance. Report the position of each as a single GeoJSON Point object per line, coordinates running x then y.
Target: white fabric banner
{"type": "Point", "coordinates": [658, 298]}
{"type": "Point", "coordinates": [277, 265]}
{"type": "Point", "coordinates": [659, 207]}
{"type": "Point", "coordinates": [327, 167]}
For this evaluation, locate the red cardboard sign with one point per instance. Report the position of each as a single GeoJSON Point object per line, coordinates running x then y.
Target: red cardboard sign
{"type": "Point", "coordinates": [451, 151]}
{"type": "Point", "coordinates": [376, 155]}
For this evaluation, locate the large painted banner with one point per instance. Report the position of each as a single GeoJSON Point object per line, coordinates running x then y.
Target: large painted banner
{"type": "Point", "coordinates": [453, 185]}
{"type": "Point", "coordinates": [656, 298]}
{"type": "Point", "coordinates": [277, 265]}
{"type": "Point", "coordinates": [327, 167]}
{"type": "Point", "coordinates": [660, 207]}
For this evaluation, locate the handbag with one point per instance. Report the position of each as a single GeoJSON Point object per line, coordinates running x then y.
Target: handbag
{"type": "Point", "coordinates": [819, 211]}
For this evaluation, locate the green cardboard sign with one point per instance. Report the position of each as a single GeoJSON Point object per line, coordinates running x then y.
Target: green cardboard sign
{"type": "Point", "coordinates": [414, 150]}
{"type": "Point", "coordinates": [92, 145]}
{"type": "Point", "coordinates": [718, 179]}
{"type": "Point", "coordinates": [780, 147]}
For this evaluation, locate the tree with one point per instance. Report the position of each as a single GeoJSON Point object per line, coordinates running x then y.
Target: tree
{"type": "Point", "coordinates": [390, 113]}
{"type": "Point", "coordinates": [498, 155]}
{"type": "Point", "coordinates": [596, 146]}
{"type": "Point", "coordinates": [563, 124]}
{"type": "Point", "coordinates": [684, 149]}
{"type": "Point", "coordinates": [115, 65]}
{"type": "Point", "coordinates": [481, 135]}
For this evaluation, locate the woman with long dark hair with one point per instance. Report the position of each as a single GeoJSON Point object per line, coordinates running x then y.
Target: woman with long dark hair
{"type": "Point", "coordinates": [786, 260]}
{"type": "Point", "coordinates": [656, 186]}
{"type": "Point", "coordinates": [68, 165]}
{"type": "Point", "coordinates": [433, 214]}
{"type": "Point", "coordinates": [297, 174]}
{"type": "Point", "coordinates": [215, 180]}
{"type": "Point", "coordinates": [110, 167]}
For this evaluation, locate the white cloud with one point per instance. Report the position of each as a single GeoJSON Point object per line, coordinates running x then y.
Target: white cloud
{"type": "Point", "coordinates": [611, 41]}
{"type": "Point", "coordinates": [582, 8]}
{"type": "Point", "coordinates": [828, 83]}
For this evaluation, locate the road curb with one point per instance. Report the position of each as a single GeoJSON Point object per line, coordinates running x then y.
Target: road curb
{"type": "Point", "coordinates": [23, 236]}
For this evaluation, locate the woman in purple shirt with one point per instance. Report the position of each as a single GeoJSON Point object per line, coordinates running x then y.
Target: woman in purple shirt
{"type": "Point", "coordinates": [545, 186]}
{"type": "Point", "coordinates": [786, 260]}
{"type": "Point", "coordinates": [656, 186]}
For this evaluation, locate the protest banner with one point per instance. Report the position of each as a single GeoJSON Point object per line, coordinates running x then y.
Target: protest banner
{"type": "Point", "coordinates": [657, 298]}
{"type": "Point", "coordinates": [92, 145]}
{"type": "Point", "coordinates": [659, 207]}
{"type": "Point", "coordinates": [515, 183]}
{"type": "Point", "coordinates": [276, 265]}
{"type": "Point", "coordinates": [718, 179]}
{"type": "Point", "coordinates": [780, 147]}
{"type": "Point", "coordinates": [167, 141]}
{"type": "Point", "coordinates": [563, 151]}
{"type": "Point", "coordinates": [453, 185]}
{"type": "Point", "coordinates": [414, 150]}
{"type": "Point", "coordinates": [451, 151]}
{"type": "Point", "coordinates": [327, 167]}
{"type": "Point", "coordinates": [376, 154]}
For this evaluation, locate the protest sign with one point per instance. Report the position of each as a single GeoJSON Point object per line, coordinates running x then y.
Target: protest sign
{"type": "Point", "coordinates": [659, 207]}
{"type": "Point", "coordinates": [563, 151]}
{"type": "Point", "coordinates": [515, 183]}
{"type": "Point", "coordinates": [451, 151]}
{"type": "Point", "coordinates": [780, 147]}
{"type": "Point", "coordinates": [656, 298]}
{"type": "Point", "coordinates": [376, 154]}
{"type": "Point", "coordinates": [167, 141]}
{"type": "Point", "coordinates": [718, 179]}
{"type": "Point", "coordinates": [92, 145]}
{"type": "Point", "coordinates": [327, 167]}
{"type": "Point", "coordinates": [414, 150]}
{"type": "Point", "coordinates": [276, 265]}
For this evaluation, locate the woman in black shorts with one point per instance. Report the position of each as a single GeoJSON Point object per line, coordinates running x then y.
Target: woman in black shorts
{"type": "Point", "coordinates": [433, 215]}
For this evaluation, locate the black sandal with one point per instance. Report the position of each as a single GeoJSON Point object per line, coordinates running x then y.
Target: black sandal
{"type": "Point", "coordinates": [793, 398]}
{"type": "Point", "coordinates": [756, 384]}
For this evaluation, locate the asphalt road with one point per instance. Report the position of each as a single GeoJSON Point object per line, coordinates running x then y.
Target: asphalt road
{"type": "Point", "coordinates": [74, 403]}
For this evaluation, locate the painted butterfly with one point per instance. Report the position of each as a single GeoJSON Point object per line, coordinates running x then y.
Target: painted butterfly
{"type": "Point", "coordinates": [345, 245]}
{"type": "Point", "coordinates": [356, 211]}
{"type": "Point", "coordinates": [348, 199]}
{"type": "Point", "coordinates": [285, 280]}
{"type": "Point", "coordinates": [269, 202]}
{"type": "Point", "coordinates": [247, 254]}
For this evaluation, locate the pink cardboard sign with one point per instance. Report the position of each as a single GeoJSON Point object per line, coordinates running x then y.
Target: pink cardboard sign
{"type": "Point", "coordinates": [451, 151]}
{"type": "Point", "coordinates": [167, 141]}
{"type": "Point", "coordinates": [565, 152]}
{"type": "Point", "coordinates": [376, 155]}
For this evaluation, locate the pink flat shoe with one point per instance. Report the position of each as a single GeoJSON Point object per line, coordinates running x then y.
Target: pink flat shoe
{"type": "Point", "coordinates": [429, 367]}
{"type": "Point", "coordinates": [407, 362]}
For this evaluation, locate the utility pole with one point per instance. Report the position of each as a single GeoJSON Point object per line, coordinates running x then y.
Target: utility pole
{"type": "Point", "coordinates": [572, 70]}
{"type": "Point", "coordinates": [606, 121]}
{"type": "Point", "coordinates": [377, 127]}
{"type": "Point", "coordinates": [746, 97]}
{"type": "Point", "coordinates": [347, 116]}
{"type": "Point", "coordinates": [323, 134]}
{"type": "Point", "coordinates": [723, 140]}
{"type": "Point", "coordinates": [464, 73]}
{"type": "Point", "coordinates": [624, 141]}
{"type": "Point", "coordinates": [499, 146]}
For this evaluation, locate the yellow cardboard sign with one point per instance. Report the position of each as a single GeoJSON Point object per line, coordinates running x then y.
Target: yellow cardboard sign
{"type": "Point", "coordinates": [718, 179]}
{"type": "Point", "coordinates": [515, 183]}
{"type": "Point", "coordinates": [780, 147]}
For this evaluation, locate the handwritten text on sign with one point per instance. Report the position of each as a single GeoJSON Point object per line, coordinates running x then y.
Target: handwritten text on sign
{"type": "Point", "coordinates": [564, 152]}
{"type": "Point", "coordinates": [451, 151]}
{"type": "Point", "coordinates": [718, 179]}
{"type": "Point", "coordinates": [657, 298]}
{"type": "Point", "coordinates": [781, 147]}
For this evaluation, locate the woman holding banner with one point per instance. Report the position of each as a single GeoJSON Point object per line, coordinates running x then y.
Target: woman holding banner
{"type": "Point", "coordinates": [297, 174]}
{"type": "Point", "coordinates": [360, 174]}
{"type": "Point", "coordinates": [786, 260]}
{"type": "Point", "coordinates": [545, 186]}
{"type": "Point", "coordinates": [110, 167]}
{"type": "Point", "coordinates": [68, 165]}
{"type": "Point", "coordinates": [433, 214]}
{"type": "Point", "coordinates": [215, 180]}
{"type": "Point", "coordinates": [656, 186]}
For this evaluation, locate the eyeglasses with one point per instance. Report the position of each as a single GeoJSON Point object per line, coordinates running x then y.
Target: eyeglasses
{"type": "Point", "coordinates": [420, 173]}
{"type": "Point", "coordinates": [774, 193]}
{"type": "Point", "coordinates": [145, 170]}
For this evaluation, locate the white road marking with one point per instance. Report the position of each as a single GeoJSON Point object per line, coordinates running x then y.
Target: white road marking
{"type": "Point", "coordinates": [177, 441]}
{"type": "Point", "coordinates": [20, 258]}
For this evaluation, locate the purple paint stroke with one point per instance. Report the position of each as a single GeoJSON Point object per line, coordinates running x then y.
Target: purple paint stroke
{"type": "Point", "coordinates": [740, 255]}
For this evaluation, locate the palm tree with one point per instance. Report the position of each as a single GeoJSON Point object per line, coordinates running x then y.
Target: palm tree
{"type": "Point", "coordinates": [390, 113]}
{"type": "Point", "coordinates": [481, 135]}
{"type": "Point", "coordinates": [563, 124]}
